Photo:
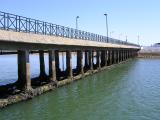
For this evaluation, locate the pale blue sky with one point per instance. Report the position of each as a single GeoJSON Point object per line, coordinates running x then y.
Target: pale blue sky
{"type": "Point", "coordinates": [125, 17]}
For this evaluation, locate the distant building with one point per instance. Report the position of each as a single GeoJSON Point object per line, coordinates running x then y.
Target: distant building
{"type": "Point", "coordinates": [156, 45]}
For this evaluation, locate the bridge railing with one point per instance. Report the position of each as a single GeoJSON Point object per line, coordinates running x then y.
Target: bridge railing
{"type": "Point", "coordinates": [18, 23]}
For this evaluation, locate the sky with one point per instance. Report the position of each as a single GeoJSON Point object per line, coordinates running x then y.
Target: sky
{"type": "Point", "coordinates": [131, 18]}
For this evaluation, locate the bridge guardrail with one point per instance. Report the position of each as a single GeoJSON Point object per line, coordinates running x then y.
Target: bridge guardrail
{"type": "Point", "coordinates": [18, 23]}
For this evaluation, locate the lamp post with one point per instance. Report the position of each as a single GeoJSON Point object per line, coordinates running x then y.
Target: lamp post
{"type": "Point", "coordinates": [77, 22]}
{"type": "Point", "coordinates": [106, 25]}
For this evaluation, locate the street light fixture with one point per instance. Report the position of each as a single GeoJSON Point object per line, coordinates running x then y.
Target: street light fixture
{"type": "Point", "coordinates": [77, 22]}
{"type": "Point", "coordinates": [106, 25]}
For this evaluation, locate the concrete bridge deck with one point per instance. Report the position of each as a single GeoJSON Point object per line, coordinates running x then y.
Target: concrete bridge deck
{"type": "Point", "coordinates": [29, 38]}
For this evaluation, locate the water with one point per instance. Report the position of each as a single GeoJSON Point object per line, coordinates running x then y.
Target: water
{"type": "Point", "coordinates": [129, 91]}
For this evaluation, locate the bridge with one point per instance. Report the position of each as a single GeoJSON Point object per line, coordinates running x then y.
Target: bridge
{"type": "Point", "coordinates": [24, 36]}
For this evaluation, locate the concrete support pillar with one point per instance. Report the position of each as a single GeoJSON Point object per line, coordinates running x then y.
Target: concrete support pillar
{"type": "Point", "coordinates": [91, 60]}
{"type": "Point", "coordinates": [52, 66]}
{"type": "Point", "coordinates": [80, 62]}
{"type": "Point", "coordinates": [106, 57]}
{"type": "Point", "coordinates": [98, 59]}
{"type": "Point", "coordinates": [86, 59]}
{"type": "Point", "coordinates": [123, 55]}
{"type": "Point", "coordinates": [57, 61]}
{"type": "Point", "coordinates": [115, 56]}
{"type": "Point", "coordinates": [42, 65]}
{"type": "Point", "coordinates": [24, 77]}
{"type": "Point", "coordinates": [118, 56]}
{"type": "Point", "coordinates": [110, 57]}
{"type": "Point", "coordinates": [127, 54]}
{"type": "Point", "coordinates": [113, 59]}
{"type": "Point", "coordinates": [69, 63]}
{"type": "Point", "coordinates": [103, 58]}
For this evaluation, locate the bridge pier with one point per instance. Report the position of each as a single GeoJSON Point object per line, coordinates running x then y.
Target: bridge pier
{"type": "Point", "coordinates": [24, 77]}
{"type": "Point", "coordinates": [86, 63]}
{"type": "Point", "coordinates": [52, 66]}
{"type": "Point", "coordinates": [80, 62]}
{"type": "Point", "coordinates": [98, 59]}
{"type": "Point", "coordinates": [118, 56]}
{"type": "Point", "coordinates": [56, 52]}
{"type": "Point", "coordinates": [103, 58]}
{"type": "Point", "coordinates": [110, 57]}
{"type": "Point", "coordinates": [113, 57]}
{"type": "Point", "coordinates": [106, 57]}
{"type": "Point", "coordinates": [42, 65]}
{"type": "Point", "coordinates": [69, 64]}
{"type": "Point", "coordinates": [91, 60]}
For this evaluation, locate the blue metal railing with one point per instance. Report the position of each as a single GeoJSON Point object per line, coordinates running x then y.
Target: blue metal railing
{"type": "Point", "coordinates": [18, 23]}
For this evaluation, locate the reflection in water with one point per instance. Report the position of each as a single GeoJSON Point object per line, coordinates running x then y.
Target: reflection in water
{"type": "Point", "coordinates": [129, 91]}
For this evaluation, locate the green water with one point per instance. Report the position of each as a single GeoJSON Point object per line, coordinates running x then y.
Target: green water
{"type": "Point", "coordinates": [130, 91]}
